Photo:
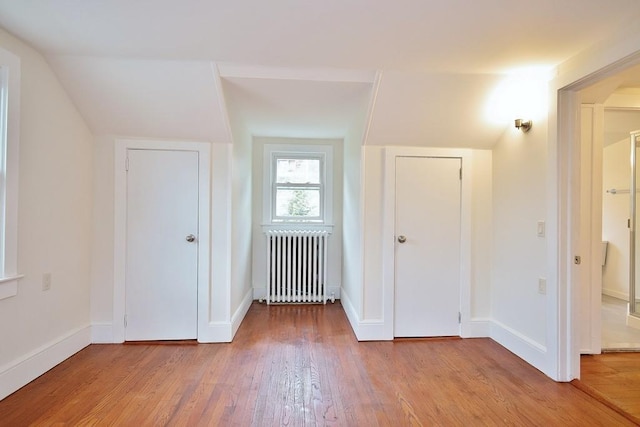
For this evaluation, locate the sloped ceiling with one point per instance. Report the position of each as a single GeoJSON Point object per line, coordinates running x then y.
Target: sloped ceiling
{"type": "Point", "coordinates": [296, 108]}
{"type": "Point", "coordinates": [150, 67]}
{"type": "Point", "coordinates": [141, 97]}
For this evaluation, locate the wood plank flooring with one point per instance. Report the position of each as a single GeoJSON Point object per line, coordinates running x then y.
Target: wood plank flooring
{"type": "Point", "coordinates": [613, 378]}
{"type": "Point", "coordinates": [301, 366]}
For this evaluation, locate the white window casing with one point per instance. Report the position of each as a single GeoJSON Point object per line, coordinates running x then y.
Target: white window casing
{"type": "Point", "coordinates": [9, 147]}
{"type": "Point", "coordinates": [321, 153]}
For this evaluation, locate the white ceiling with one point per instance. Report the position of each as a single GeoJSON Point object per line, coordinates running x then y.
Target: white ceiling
{"type": "Point", "coordinates": [149, 67]}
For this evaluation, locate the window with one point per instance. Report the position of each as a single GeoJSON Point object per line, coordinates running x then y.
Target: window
{"type": "Point", "coordinates": [9, 139]}
{"type": "Point", "coordinates": [298, 184]}
{"type": "Point", "coordinates": [297, 188]}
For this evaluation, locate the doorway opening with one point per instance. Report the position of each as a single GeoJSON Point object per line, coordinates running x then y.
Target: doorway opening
{"type": "Point", "coordinates": [620, 263]}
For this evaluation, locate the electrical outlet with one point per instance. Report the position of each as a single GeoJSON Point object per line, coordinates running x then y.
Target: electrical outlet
{"type": "Point", "coordinates": [46, 281]}
{"type": "Point", "coordinates": [542, 286]}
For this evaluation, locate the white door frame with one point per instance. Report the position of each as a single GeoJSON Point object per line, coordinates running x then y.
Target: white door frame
{"type": "Point", "coordinates": [120, 225]}
{"type": "Point", "coordinates": [564, 323]}
{"type": "Point", "coordinates": [591, 152]}
{"type": "Point", "coordinates": [388, 232]}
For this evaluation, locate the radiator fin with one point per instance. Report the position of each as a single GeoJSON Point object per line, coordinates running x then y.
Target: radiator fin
{"type": "Point", "coordinates": [296, 266]}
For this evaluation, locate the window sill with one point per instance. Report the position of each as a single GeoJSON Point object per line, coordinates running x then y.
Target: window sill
{"type": "Point", "coordinates": [9, 286]}
{"type": "Point", "coordinates": [297, 226]}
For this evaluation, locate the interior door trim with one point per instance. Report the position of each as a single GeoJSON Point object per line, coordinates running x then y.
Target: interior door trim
{"type": "Point", "coordinates": [120, 221]}
{"type": "Point", "coordinates": [467, 326]}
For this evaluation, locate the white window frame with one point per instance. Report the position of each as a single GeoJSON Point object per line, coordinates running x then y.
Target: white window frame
{"type": "Point", "coordinates": [273, 152]}
{"type": "Point", "coordinates": [275, 186]}
{"type": "Point", "coordinates": [9, 146]}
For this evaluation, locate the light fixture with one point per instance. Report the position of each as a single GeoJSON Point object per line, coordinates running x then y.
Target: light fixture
{"type": "Point", "coordinates": [523, 125]}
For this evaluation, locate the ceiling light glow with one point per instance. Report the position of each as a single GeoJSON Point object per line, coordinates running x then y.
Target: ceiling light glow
{"type": "Point", "coordinates": [522, 94]}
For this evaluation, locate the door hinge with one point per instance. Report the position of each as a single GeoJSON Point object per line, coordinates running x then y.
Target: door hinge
{"type": "Point", "coordinates": [126, 163]}
{"type": "Point", "coordinates": [459, 317]}
{"type": "Point", "coordinates": [628, 222]}
{"type": "Point", "coordinates": [577, 260]}
{"type": "Point", "coordinates": [125, 320]}
{"type": "Point", "coordinates": [460, 174]}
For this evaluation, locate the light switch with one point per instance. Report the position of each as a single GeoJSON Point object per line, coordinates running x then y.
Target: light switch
{"type": "Point", "coordinates": [540, 229]}
{"type": "Point", "coordinates": [542, 286]}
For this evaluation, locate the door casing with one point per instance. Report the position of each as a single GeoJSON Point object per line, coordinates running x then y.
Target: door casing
{"type": "Point", "coordinates": [469, 327]}
{"type": "Point", "coordinates": [120, 225]}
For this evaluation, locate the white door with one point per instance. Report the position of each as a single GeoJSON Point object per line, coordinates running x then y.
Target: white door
{"type": "Point", "coordinates": [427, 259]}
{"type": "Point", "coordinates": [162, 248]}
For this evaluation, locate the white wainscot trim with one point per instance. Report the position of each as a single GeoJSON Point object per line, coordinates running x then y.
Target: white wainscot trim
{"type": "Point", "coordinates": [365, 330]}
{"type": "Point", "coordinates": [476, 328]}
{"type": "Point", "coordinates": [102, 333]}
{"type": "Point", "coordinates": [22, 371]}
{"type": "Point", "coordinates": [241, 312]}
{"type": "Point", "coordinates": [530, 351]}
{"type": "Point", "coordinates": [217, 332]}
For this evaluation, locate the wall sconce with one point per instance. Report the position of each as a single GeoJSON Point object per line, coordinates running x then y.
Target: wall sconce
{"type": "Point", "coordinates": [522, 125]}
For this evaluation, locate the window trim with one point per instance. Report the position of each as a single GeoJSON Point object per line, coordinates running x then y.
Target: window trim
{"type": "Point", "coordinates": [274, 151]}
{"type": "Point", "coordinates": [275, 186]}
{"type": "Point", "coordinates": [9, 144]}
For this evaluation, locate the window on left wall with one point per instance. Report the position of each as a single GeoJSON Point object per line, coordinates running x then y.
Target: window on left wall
{"type": "Point", "coordinates": [9, 145]}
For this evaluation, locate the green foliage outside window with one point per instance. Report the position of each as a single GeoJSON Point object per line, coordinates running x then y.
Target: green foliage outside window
{"type": "Point", "coordinates": [299, 204]}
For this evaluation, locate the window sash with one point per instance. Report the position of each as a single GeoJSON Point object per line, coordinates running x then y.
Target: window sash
{"type": "Point", "coordinates": [278, 186]}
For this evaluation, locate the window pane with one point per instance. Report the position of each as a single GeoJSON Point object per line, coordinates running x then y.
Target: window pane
{"type": "Point", "coordinates": [302, 203]}
{"type": "Point", "coordinates": [298, 171]}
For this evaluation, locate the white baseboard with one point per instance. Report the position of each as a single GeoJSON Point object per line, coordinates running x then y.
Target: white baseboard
{"type": "Point", "coordinates": [365, 330]}
{"type": "Point", "coordinates": [215, 332]}
{"type": "Point", "coordinates": [240, 313]}
{"type": "Point", "coordinates": [19, 373]}
{"type": "Point", "coordinates": [225, 331]}
{"type": "Point", "coordinates": [373, 330]}
{"type": "Point", "coordinates": [350, 311]}
{"type": "Point", "coordinates": [102, 333]}
{"type": "Point", "coordinates": [616, 294]}
{"type": "Point", "coordinates": [476, 328]}
{"type": "Point", "coordinates": [530, 351]}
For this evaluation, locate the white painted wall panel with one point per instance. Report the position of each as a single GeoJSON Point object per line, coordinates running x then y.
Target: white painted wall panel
{"type": "Point", "coordinates": [519, 255]}
{"type": "Point", "coordinates": [55, 211]}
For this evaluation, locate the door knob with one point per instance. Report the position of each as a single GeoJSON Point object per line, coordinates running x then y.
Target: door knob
{"type": "Point", "coordinates": [191, 238]}
{"type": "Point", "coordinates": [402, 239]}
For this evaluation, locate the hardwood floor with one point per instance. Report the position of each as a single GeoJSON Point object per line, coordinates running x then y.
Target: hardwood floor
{"type": "Point", "coordinates": [301, 365]}
{"type": "Point", "coordinates": [613, 378]}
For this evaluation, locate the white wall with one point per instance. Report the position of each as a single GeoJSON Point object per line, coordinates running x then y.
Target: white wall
{"type": "Point", "coordinates": [373, 186]}
{"type": "Point", "coordinates": [518, 311]}
{"type": "Point", "coordinates": [41, 328]}
{"type": "Point", "coordinates": [615, 212]}
{"type": "Point", "coordinates": [352, 273]}
{"type": "Point", "coordinates": [241, 220]}
{"type": "Point", "coordinates": [103, 239]}
{"type": "Point", "coordinates": [481, 234]}
{"type": "Point", "coordinates": [334, 272]}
